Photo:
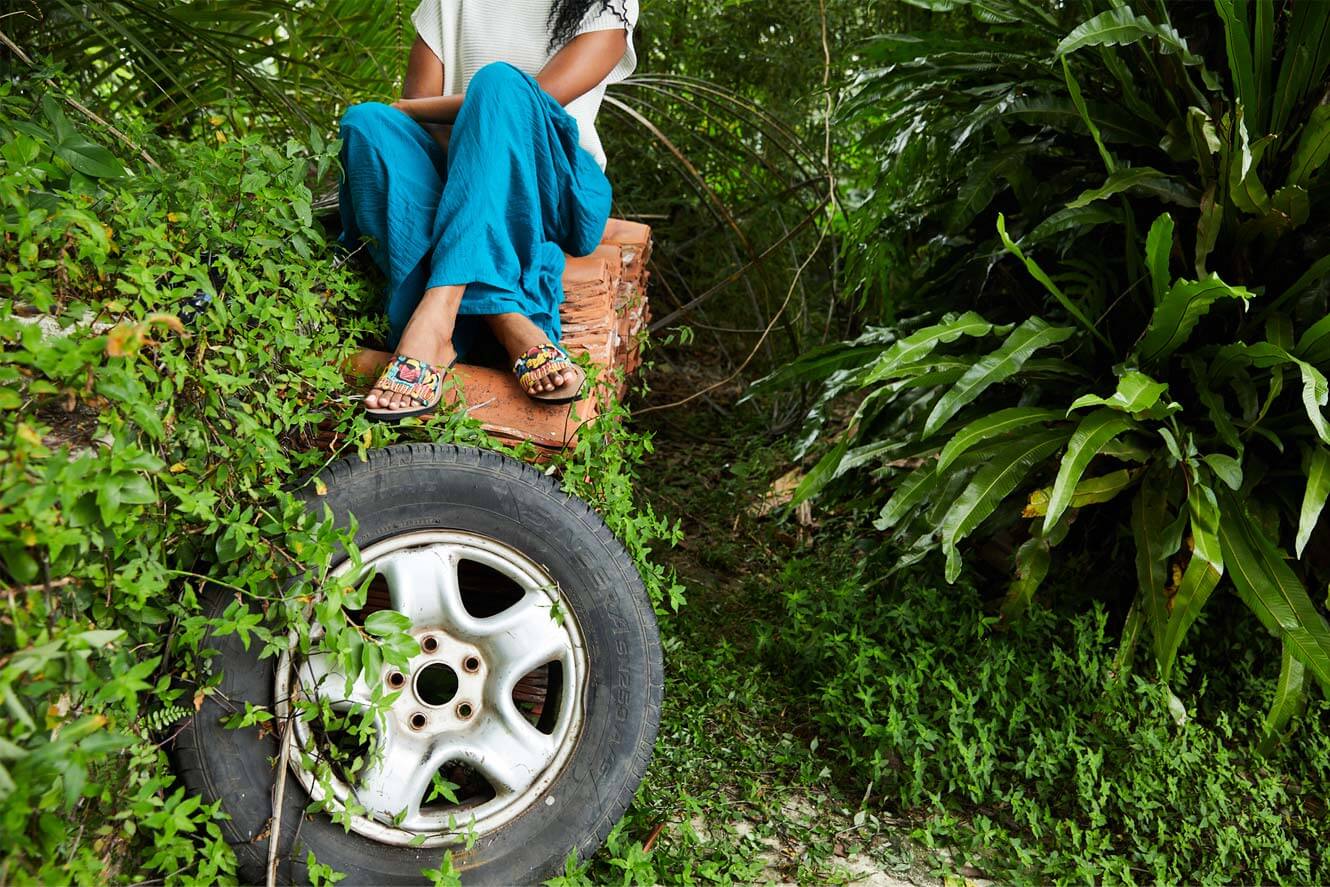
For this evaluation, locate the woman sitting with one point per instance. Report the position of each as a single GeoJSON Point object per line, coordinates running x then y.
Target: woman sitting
{"type": "Point", "coordinates": [472, 187]}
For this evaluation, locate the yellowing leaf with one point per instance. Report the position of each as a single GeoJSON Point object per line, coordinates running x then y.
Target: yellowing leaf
{"type": "Point", "coordinates": [320, 487]}
{"type": "Point", "coordinates": [1037, 505]}
{"type": "Point", "coordinates": [124, 340]}
{"type": "Point", "coordinates": [168, 320]}
{"type": "Point", "coordinates": [177, 468]}
{"type": "Point", "coordinates": [1090, 491]}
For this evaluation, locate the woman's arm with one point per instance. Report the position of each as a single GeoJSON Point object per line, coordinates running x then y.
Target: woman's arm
{"type": "Point", "coordinates": [424, 83]}
{"type": "Point", "coordinates": [424, 72]}
{"type": "Point", "coordinates": [574, 71]}
{"type": "Point", "coordinates": [580, 66]}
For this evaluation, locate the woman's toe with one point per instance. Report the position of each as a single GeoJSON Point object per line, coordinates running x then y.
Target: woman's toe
{"type": "Point", "coordinates": [372, 399]}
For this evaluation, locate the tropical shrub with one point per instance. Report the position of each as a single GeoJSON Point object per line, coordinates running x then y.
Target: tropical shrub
{"type": "Point", "coordinates": [1152, 347]}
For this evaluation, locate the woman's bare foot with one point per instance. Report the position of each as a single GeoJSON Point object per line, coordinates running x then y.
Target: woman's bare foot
{"type": "Point", "coordinates": [428, 337]}
{"type": "Point", "coordinates": [518, 335]}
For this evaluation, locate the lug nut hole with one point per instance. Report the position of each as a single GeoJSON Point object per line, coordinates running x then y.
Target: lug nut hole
{"type": "Point", "coordinates": [418, 721]}
{"type": "Point", "coordinates": [471, 663]}
{"type": "Point", "coordinates": [464, 710]}
{"type": "Point", "coordinates": [396, 680]}
{"type": "Point", "coordinates": [429, 644]}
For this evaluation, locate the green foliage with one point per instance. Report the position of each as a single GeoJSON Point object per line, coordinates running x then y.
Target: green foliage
{"type": "Point", "coordinates": [1166, 367]}
{"type": "Point", "coordinates": [260, 63]}
{"type": "Point", "coordinates": [170, 350]}
{"type": "Point", "coordinates": [134, 448]}
{"type": "Point", "coordinates": [1028, 755]}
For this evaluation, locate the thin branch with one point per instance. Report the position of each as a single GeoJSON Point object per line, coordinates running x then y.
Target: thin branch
{"type": "Point", "coordinates": [78, 106]}
{"type": "Point", "coordinates": [739, 272]}
{"type": "Point", "coordinates": [279, 790]}
{"type": "Point", "coordinates": [794, 284]}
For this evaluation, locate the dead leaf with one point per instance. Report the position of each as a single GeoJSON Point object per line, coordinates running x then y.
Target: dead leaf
{"type": "Point", "coordinates": [779, 494]}
{"type": "Point", "coordinates": [168, 320]}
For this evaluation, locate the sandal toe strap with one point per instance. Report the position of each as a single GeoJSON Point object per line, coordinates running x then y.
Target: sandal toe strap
{"type": "Point", "coordinates": [412, 378]}
{"type": "Point", "coordinates": [539, 362]}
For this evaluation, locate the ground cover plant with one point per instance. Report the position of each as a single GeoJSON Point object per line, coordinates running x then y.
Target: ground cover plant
{"type": "Point", "coordinates": [1027, 754]}
{"type": "Point", "coordinates": [172, 341]}
{"type": "Point", "coordinates": [1120, 309]}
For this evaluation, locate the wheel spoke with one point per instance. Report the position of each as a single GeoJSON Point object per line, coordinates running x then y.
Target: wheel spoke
{"type": "Point", "coordinates": [422, 586]}
{"type": "Point", "coordinates": [508, 750]}
{"type": "Point", "coordinates": [398, 775]}
{"type": "Point", "coordinates": [323, 677]}
{"type": "Point", "coordinates": [524, 636]}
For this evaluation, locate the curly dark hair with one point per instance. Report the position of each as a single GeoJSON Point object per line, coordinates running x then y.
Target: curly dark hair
{"type": "Point", "coordinates": [567, 15]}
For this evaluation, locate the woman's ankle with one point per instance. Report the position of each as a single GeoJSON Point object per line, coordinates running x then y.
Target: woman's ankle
{"type": "Point", "coordinates": [429, 333]}
{"type": "Point", "coordinates": [516, 333]}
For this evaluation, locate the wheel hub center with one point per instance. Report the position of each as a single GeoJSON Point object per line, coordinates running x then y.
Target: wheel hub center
{"type": "Point", "coordinates": [443, 688]}
{"type": "Point", "coordinates": [436, 684]}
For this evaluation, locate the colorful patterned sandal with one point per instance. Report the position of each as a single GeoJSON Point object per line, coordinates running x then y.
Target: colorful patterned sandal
{"type": "Point", "coordinates": [541, 362]}
{"type": "Point", "coordinates": [418, 380]}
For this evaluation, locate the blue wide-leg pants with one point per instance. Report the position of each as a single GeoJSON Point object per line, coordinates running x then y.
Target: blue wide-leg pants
{"type": "Point", "coordinates": [514, 192]}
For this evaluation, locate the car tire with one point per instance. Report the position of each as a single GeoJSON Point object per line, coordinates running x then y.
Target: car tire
{"type": "Point", "coordinates": [430, 488]}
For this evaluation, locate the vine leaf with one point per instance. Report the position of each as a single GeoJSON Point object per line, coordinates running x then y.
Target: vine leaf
{"type": "Point", "coordinates": [1158, 248]}
{"type": "Point", "coordinates": [1140, 178]}
{"type": "Point", "coordinates": [910, 493]}
{"type": "Point", "coordinates": [991, 426]}
{"type": "Point", "coordinates": [1290, 699]}
{"type": "Point", "coordinates": [1269, 587]}
{"type": "Point", "coordinates": [1185, 303]}
{"type": "Point", "coordinates": [920, 344]}
{"type": "Point", "coordinates": [1136, 393]}
{"type": "Point", "coordinates": [1314, 496]}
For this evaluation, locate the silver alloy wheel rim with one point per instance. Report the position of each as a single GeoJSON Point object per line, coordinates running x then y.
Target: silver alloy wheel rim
{"type": "Point", "coordinates": [494, 738]}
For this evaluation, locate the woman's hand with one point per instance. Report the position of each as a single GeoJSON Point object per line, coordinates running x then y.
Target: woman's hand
{"type": "Point", "coordinates": [434, 109]}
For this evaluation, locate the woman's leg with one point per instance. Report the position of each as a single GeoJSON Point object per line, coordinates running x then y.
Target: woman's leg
{"type": "Point", "coordinates": [428, 337]}
{"type": "Point", "coordinates": [520, 192]}
{"type": "Point", "coordinates": [394, 179]}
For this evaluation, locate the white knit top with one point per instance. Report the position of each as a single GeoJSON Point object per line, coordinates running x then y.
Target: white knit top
{"type": "Point", "coordinates": [467, 35]}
